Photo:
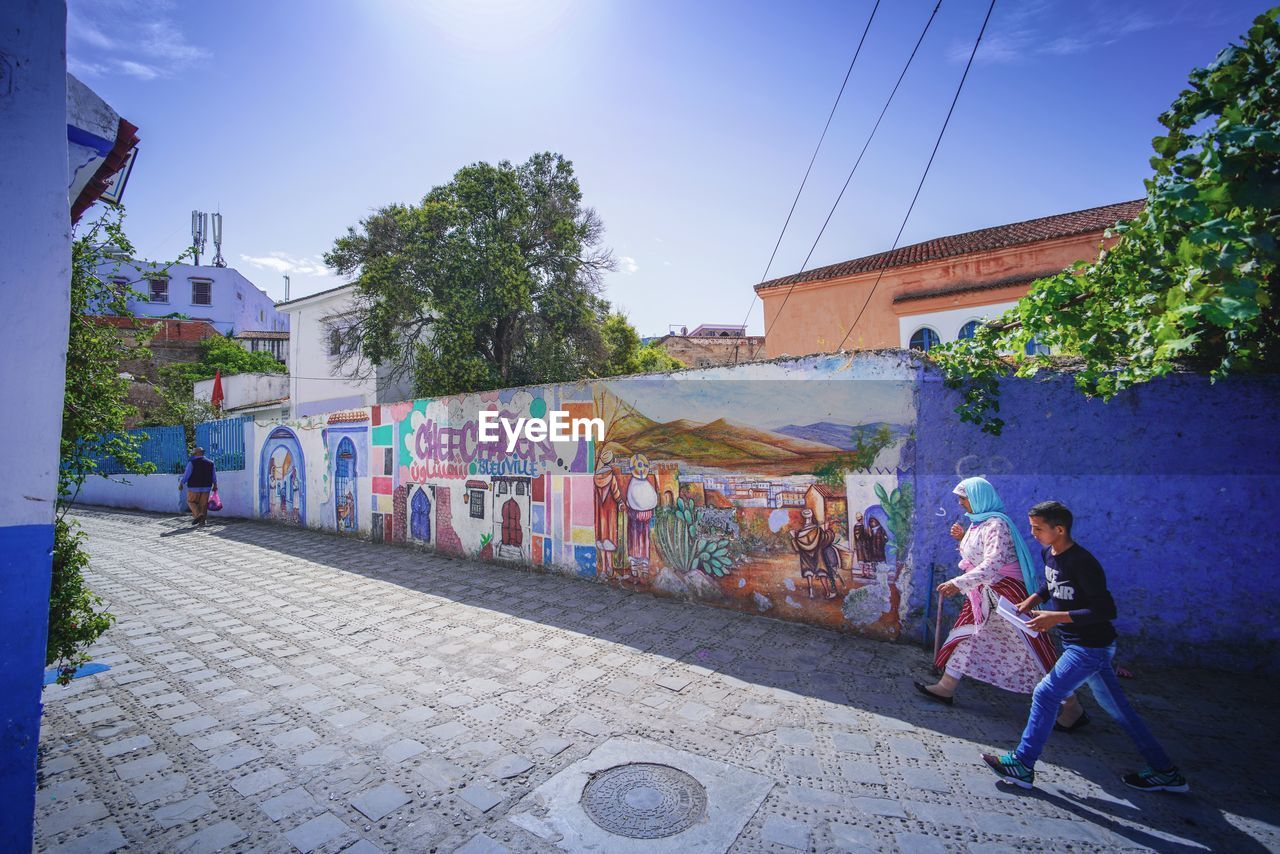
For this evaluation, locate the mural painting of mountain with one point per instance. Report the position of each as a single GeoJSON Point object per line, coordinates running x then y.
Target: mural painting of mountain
{"type": "Point", "coordinates": [759, 517]}
{"type": "Point", "coordinates": [841, 436]}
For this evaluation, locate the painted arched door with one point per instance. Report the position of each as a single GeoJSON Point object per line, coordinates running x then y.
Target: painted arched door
{"type": "Point", "coordinates": [282, 481]}
{"type": "Point", "coordinates": [344, 485]}
{"type": "Point", "coordinates": [511, 533]}
{"type": "Point", "coordinates": [420, 516]}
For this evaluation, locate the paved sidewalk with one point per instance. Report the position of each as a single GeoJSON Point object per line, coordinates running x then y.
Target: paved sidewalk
{"type": "Point", "coordinates": [275, 689]}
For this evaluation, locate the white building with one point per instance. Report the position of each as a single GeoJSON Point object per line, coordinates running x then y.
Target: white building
{"type": "Point", "coordinates": [317, 381]}
{"type": "Point", "coordinates": [259, 395]}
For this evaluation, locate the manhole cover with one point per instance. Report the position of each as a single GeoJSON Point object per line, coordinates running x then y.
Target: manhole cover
{"type": "Point", "coordinates": [644, 801]}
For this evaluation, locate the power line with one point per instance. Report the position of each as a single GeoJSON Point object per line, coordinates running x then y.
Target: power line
{"type": "Point", "coordinates": [928, 165]}
{"type": "Point", "coordinates": [814, 158]}
{"type": "Point", "coordinates": [857, 162]}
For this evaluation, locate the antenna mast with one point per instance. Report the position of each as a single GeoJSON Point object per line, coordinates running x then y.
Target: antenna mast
{"type": "Point", "coordinates": [199, 227]}
{"type": "Point", "coordinates": [217, 241]}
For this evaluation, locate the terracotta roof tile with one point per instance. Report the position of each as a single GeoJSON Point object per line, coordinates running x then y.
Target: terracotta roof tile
{"type": "Point", "coordinates": [349, 416]}
{"type": "Point", "coordinates": [984, 239]}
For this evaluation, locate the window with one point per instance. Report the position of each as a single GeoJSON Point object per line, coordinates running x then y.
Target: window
{"type": "Point", "coordinates": [969, 329]}
{"type": "Point", "coordinates": [519, 487]}
{"type": "Point", "coordinates": [159, 290]}
{"type": "Point", "coordinates": [201, 292]}
{"type": "Point", "coordinates": [924, 339]}
{"type": "Point", "coordinates": [1034, 348]}
{"type": "Point", "coordinates": [261, 315]}
{"type": "Point", "coordinates": [503, 487]}
{"type": "Point", "coordinates": [335, 342]}
{"type": "Point", "coordinates": [476, 503]}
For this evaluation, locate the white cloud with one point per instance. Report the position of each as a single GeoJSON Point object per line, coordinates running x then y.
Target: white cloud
{"type": "Point", "coordinates": [1033, 29]}
{"type": "Point", "coordinates": [627, 265]}
{"type": "Point", "coordinates": [282, 262]}
{"type": "Point", "coordinates": [138, 70]}
{"type": "Point", "coordinates": [134, 38]}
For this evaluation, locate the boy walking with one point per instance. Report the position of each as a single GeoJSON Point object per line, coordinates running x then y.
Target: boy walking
{"type": "Point", "coordinates": [1081, 608]}
{"type": "Point", "coordinates": [199, 478]}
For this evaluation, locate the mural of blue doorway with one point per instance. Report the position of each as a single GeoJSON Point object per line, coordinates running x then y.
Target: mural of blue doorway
{"type": "Point", "coordinates": [344, 486]}
{"type": "Point", "coordinates": [420, 515]}
{"type": "Point", "coordinates": [282, 478]}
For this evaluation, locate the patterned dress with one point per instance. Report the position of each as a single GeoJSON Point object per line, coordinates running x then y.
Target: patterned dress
{"type": "Point", "coordinates": [983, 645]}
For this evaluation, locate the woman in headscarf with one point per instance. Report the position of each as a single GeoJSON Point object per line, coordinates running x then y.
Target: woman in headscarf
{"type": "Point", "coordinates": [996, 563]}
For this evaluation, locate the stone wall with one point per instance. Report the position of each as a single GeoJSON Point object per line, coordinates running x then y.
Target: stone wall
{"type": "Point", "coordinates": [703, 351]}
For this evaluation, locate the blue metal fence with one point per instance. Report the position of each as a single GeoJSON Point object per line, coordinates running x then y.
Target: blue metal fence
{"type": "Point", "coordinates": [163, 447]}
{"type": "Point", "coordinates": [223, 442]}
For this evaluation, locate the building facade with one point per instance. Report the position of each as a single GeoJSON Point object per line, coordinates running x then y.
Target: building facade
{"type": "Point", "coordinates": [219, 295]}
{"type": "Point", "coordinates": [62, 147]}
{"type": "Point", "coordinates": [930, 292]}
{"type": "Point", "coordinates": [712, 344]}
{"type": "Point", "coordinates": [317, 380]}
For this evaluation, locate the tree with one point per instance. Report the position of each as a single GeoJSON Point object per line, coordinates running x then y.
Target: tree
{"type": "Point", "coordinates": [867, 445]}
{"type": "Point", "coordinates": [95, 410]}
{"type": "Point", "coordinates": [626, 355]}
{"type": "Point", "coordinates": [177, 381]}
{"type": "Point", "coordinates": [1191, 281]}
{"type": "Point", "coordinates": [491, 281]}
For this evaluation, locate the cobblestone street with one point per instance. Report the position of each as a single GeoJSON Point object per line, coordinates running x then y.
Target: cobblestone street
{"type": "Point", "coordinates": [274, 689]}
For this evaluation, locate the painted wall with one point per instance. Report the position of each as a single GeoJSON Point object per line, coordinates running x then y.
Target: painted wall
{"type": "Point", "coordinates": [738, 488]}
{"type": "Point", "coordinates": [698, 489]}
{"type": "Point", "coordinates": [35, 245]}
{"type": "Point", "coordinates": [236, 303]}
{"type": "Point", "coordinates": [1174, 487]}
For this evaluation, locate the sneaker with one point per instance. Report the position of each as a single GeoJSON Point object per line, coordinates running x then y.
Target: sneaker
{"type": "Point", "coordinates": [1150, 780]}
{"type": "Point", "coordinates": [1010, 769]}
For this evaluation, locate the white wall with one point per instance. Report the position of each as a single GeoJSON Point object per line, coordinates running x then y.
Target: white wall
{"type": "Point", "coordinates": [313, 388]}
{"type": "Point", "coordinates": [245, 389]}
{"type": "Point", "coordinates": [159, 493]}
{"type": "Point", "coordinates": [948, 323]}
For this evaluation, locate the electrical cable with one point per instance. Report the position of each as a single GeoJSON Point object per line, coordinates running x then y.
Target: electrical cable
{"type": "Point", "coordinates": [814, 158]}
{"type": "Point", "coordinates": [927, 167]}
{"type": "Point", "coordinates": [857, 162]}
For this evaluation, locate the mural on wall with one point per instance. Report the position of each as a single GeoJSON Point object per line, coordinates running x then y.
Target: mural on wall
{"type": "Point", "coordinates": [282, 482]}
{"type": "Point", "coordinates": [787, 493]}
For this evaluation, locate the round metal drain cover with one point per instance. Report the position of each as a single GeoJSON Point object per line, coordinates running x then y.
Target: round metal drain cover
{"type": "Point", "coordinates": [644, 800]}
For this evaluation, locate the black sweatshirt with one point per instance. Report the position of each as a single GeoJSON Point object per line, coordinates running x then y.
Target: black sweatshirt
{"type": "Point", "coordinates": [1079, 586]}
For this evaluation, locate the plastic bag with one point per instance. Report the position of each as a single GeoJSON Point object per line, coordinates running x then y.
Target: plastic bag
{"type": "Point", "coordinates": [215, 503]}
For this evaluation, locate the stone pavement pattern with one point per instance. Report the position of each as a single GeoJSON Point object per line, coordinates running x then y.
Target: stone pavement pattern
{"type": "Point", "coordinates": [274, 689]}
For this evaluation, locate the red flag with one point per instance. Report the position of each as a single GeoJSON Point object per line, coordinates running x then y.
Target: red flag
{"type": "Point", "coordinates": [217, 391]}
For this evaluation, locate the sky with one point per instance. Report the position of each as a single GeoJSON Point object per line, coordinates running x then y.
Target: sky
{"type": "Point", "coordinates": [689, 125]}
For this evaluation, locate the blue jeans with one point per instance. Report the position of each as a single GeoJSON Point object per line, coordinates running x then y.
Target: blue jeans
{"type": "Point", "coordinates": [1076, 666]}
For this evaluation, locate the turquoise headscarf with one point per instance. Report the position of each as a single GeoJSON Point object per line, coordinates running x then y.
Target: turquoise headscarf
{"type": "Point", "coordinates": [986, 504]}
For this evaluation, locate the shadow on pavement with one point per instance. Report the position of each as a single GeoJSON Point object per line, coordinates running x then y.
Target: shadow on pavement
{"type": "Point", "coordinates": [1199, 715]}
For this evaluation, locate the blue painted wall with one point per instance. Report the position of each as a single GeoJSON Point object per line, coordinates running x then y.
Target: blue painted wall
{"type": "Point", "coordinates": [1175, 486]}
{"type": "Point", "coordinates": [24, 586]}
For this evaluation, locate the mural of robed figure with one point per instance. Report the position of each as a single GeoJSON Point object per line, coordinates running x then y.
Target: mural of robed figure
{"type": "Point", "coordinates": [641, 491]}
{"type": "Point", "coordinates": [608, 494]}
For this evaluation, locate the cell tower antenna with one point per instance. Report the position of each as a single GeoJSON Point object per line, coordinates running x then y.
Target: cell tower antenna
{"type": "Point", "coordinates": [218, 260]}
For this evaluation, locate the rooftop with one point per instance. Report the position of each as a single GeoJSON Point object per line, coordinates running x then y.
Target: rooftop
{"type": "Point", "coordinates": [982, 240]}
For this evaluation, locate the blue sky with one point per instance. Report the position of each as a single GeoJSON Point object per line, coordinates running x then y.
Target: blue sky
{"type": "Point", "coordinates": [689, 124]}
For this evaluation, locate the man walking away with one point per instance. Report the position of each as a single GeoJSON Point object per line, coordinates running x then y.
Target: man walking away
{"type": "Point", "coordinates": [199, 478]}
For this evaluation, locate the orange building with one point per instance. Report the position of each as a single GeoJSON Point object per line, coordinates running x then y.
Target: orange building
{"type": "Point", "coordinates": [938, 290]}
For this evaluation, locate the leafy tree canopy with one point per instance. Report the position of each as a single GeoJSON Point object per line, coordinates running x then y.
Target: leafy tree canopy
{"type": "Point", "coordinates": [492, 280]}
{"type": "Point", "coordinates": [626, 355]}
{"type": "Point", "coordinates": [1192, 280]}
